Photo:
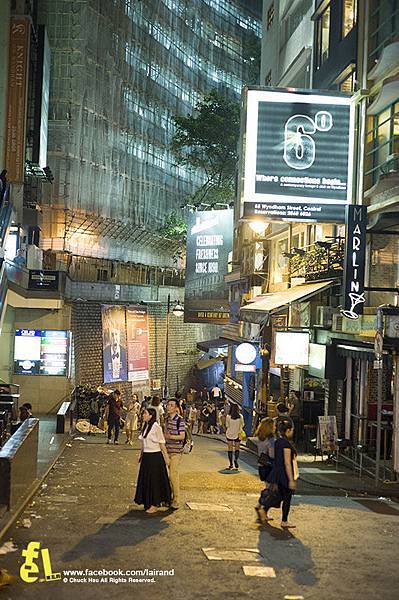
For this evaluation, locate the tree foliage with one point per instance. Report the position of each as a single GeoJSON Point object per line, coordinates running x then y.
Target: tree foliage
{"type": "Point", "coordinates": [207, 141]}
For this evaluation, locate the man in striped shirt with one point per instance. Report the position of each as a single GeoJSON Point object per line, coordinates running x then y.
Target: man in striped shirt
{"type": "Point", "coordinates": [174, 436]}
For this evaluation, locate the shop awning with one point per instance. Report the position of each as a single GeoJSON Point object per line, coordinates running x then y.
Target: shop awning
{"type": "Point", "coordinates": [256, 311]}
{"type": "Point", "coordinates": [217, 343]}
{"type": "Point", "coordinates": [348, 350]}
{"type": "Point", "coordinates": [208, 362]}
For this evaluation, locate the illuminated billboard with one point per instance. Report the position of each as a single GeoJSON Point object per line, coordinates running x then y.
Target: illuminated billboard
{"type": "Point", "coordinates": [209, 245]}
{"type": "Point", "coordinates": [291, 348]}
{"type": "Point", "coordinates": [42, 352]}
{"type": "Point", "coordinates": [297, 156]}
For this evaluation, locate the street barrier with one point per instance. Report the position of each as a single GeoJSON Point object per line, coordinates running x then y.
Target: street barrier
{"type": "Point", "coordinates": [64, 413]}
{"type": "Point", "coordinates": [18, 463]}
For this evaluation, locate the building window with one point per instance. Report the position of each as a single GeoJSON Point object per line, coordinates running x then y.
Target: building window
{"type": "Point", "coordinates": [346, 82]}
{"type": "Point", "coordinates": [323, 37]}
{"type": "Point", "coordinates": [268, 78]}
{"type": "Point", "coordinates": [349, 16]}
{"type": "Point", "coordinates": [384, 26]}
{"type": "Point", "coordinates": [382, 142]}
{"type": "Point", "coordinates": [270, 16]}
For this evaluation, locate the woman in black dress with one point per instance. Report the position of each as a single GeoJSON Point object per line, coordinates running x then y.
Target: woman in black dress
{"type": "Point", "coordinates": [153, 487]}
{"type": "Point", "coordinates": [283, 476]}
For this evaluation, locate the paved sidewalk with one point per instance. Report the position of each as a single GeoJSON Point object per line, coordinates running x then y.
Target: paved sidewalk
{"type": "Point", "coordinates": [323, 476]}
{"type": "Point", "coordinates": [85, 517]}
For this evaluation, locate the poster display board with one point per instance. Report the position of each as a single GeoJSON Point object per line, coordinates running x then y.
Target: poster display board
{"type": "Point", "coordinates": [42, 352]}
{"type": "Point", "coordinates": [327, 434]}
{"type": "Point", "coordinates": [289, 140]}
{"type": "Point", "coordinates": [209, 245]}
{"type": "Point", "coordinates": [137, 343]}
{"type": "Point", "coordinates": [114, 343]}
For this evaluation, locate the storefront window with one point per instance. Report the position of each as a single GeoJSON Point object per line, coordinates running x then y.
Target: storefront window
{"type": "Point", "coordinates": [349, 16]}
{"type": "Point", "coordinates": [322, 37]}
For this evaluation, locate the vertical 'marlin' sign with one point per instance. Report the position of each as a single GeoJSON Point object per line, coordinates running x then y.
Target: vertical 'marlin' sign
{"type": "Point", "coordinates": [355, 256]}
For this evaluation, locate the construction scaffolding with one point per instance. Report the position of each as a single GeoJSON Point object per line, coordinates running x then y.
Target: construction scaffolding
{"type": "Point", "coordinates": [121, 70]}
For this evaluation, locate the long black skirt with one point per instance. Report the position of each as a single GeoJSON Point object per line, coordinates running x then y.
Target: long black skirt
{"type": "Point", "coordinates": [153, 486]}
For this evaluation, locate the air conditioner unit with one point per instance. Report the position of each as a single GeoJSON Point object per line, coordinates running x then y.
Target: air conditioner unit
{"type": "Point", "coordinates": [392, 326]}
{"type": "Point", "coordinates": [337, 322]}
{"type": "Point", "coordinates": [324, 316]}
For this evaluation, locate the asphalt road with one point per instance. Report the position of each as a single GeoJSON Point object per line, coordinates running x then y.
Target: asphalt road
{"type": "Point", "coordinates": [341, 549]}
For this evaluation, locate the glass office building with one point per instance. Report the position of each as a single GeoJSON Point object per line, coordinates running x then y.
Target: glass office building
{"type": "Point", "coordinates": [121, 69]}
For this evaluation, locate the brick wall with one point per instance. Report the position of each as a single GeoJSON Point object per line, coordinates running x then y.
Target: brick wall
{"type": "Point", "coordinates": [183, 337]}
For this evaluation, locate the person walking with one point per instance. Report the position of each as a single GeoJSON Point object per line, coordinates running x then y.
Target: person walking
{"type": "Point", "coordinates": [192, 417]}
{"type": "Point", "coordinates": [113, 415]}
{"type": "Point", "coordinates": [283, 476]}
{"type": "Point", "coordinates": [216, 394]}
{"type": "Point", "coordinates": [234, 423]}
{"type": "Point", "coordinates": [153, 486]}
{"type": "Point", "coordinates": [265, 434]}
{"type": "Point", "coordinates": [157, 406]}
{"type": "Point", "coordinates": [174, 435]}
{"type": "Point", "coordinates": [212, 419]}
{"type": "Point", "coordinates": [203, 418]}
{"type": "Point", "coordinates": [132, 412]}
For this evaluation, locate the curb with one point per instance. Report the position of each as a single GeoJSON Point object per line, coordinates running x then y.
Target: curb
{"type": "Point", "coordinates": [14, 514]}
{"type": "Point", "coordinates": [368, 491]}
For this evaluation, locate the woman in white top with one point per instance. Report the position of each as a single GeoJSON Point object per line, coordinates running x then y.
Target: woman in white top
{"type": "Point", "coordinates": [153, 487]}
{"type": "Point", "coordinates": [234, 425]}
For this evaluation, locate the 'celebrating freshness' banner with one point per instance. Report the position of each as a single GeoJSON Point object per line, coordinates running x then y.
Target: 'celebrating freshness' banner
{"type": "Point", "coordinates": [209, 243]}
{"type": "Point", "coordinates": [137, 343]}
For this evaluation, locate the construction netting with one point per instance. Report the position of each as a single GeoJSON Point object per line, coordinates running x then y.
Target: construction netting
{"type": "Point", "coordinates": [121, 70]}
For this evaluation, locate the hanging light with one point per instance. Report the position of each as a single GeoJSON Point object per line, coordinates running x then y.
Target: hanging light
{"type": "Point", "coordinates": [258, 226]}
{"type": "Point", "coordinates": [178, 310]}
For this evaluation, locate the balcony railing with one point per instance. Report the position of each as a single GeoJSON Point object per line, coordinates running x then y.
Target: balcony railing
{"type": "Point", "coordinates": [321, 260]}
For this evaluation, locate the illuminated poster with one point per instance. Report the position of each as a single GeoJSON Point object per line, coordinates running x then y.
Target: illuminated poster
{"type": "Point", "coordinates": [290, 141]}
{"type": "Point", "coordinates": [137, 343]}
{"type": "Point", "coordinates": [27, 352]}
{"type": "Point", "coordinates": [38, 352]}
{"type": "Point", "coordinates": [114, 343]}
{"type": "Point", "coordinates": [209, 244]}
{"type": "Point", "coordinates": [54, 352]}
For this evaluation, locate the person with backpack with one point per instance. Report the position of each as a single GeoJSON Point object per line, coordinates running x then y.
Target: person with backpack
{"type": "Point", "coordinates": [175, 433]}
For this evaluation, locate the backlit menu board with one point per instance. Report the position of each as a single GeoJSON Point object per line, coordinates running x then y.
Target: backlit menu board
{"type": "Point", "coordinates": [42, 352]}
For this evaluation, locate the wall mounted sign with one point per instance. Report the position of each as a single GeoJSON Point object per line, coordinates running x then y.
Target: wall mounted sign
{"type": "Point", "coordinates": [114, 343]}
{"type": "Point", "coordinates": [354, 266]}
{"type": "Point", "coordinates": [137, 343]}
{"type": "Point", "coordinates": [209, 244]}
{"type": "Point", "coordinates": [42, 352]}
{"type": "Point", "coordinates": [17, 98]}
{"type": "Point", "coordinates": [245, 353]}
{"type": "Point", "coordinates": [292, 348]}
{"type": "Point", "coordinates": [289, 140]}
{"type": "Point", "coordinates": [43, 280]}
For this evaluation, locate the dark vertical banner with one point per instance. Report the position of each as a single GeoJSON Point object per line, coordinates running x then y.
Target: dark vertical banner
{"type": "Point", "coordinates": [17, 98]}
{"type": "Point", "coordinates": [137, 343]}
{"type": "Point", "coordinates": [209, 244]}
{"type": "Point", "coordinates": [354, 265]}
{"type": "Point", "coordinates": [114, 343]}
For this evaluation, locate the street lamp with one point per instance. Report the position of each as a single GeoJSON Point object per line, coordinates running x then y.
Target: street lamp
{"type": "Point", "coordinates": [178, 311]}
